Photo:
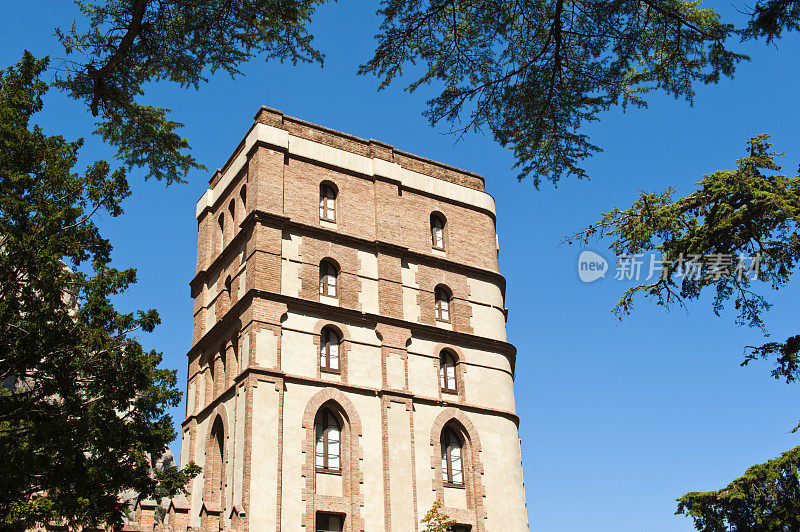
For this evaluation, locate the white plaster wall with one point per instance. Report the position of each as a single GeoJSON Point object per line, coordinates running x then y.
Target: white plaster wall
{"type": "Point", "coordinates": [395, 371]}
{"type": "Point", "coordinates": [300, 321]}
{"type": "Point", "coordinates": [263, 479]}
{"type": "Point", "coordinates": [328, 484]}
{"type": "Point", "coordinates": [186, 446]}
{"type": "Point", "coordinates": [290, 265]}
{"type": "Point", "coordinates": [369, 410]}
{"type": "Point", "coordinates": [364, 365]}
{"type": "Point", "coordinates": [410, 305]}
{"type": "Point", "coordinates": [505, 495]}
{"type": "Point", "coordinates": [423, 375]}
{"type": "Point", "coordinates": [364, 335]}
{"type": "Point", "coordinates": [455, 497]}
{"type": "Point", "coordinates": [329, 300]}
{"type": "Point", "coordinates": [242, 284]}
{"type": "Point", "coordinates": [266, 348]}
{"type": "Point", "coordinates": [298, 353]}
{"type": "Point", "coordinates": [368, 275]}
{"type": "Point", "coordinates": [408, 276]}
{"type": "Point", "coordinates": [424, 416]}
{"type": "Point", "coordinates": [199, 481]}
{"type": "Point", "coordinates": [485, 292]}
{"type": "Point", "coordinates": [245, 352]}
{"type": "Point", "coordinates": [238, 445]}
{"type": "Point", "coordinates": [400, 472]}
{"type": "Point", "coordinates": [489, 387]}
{"type": "Point", "coordinates": [489, 322]}
{"type": "Point", "coordinates": [191, 396]}
{"type": "Point", "coordinates": [211, 318]}
{"type": "Point", "coordinates": [296, 398]}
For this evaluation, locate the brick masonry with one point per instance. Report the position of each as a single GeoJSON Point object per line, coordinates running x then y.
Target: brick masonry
{"type": "Point", "coordinates": [258, 317]}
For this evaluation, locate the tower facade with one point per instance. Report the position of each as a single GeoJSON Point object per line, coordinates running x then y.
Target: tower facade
{"type": "Point", "coordinates": [349, 363]}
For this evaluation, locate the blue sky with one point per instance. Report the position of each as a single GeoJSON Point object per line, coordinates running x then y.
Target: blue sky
{"type": "Point", "coordinates": [618, 418]}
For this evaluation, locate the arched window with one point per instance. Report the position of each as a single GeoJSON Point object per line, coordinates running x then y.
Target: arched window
{"type": "Point", "coordinates": [328, 437]}
{"type": "Point", "coordinates": [228, 284]}
{"type": "Point", "coordinates": [215, 463]}
{"type": "Point", "coordinates": [327, 278]}
{"type": "Point", "coordinates": [447, 372]}
{"type": "Point", "coordinates": [243, 196]}
{"type": "Point", "coordinates": [232, 211]}
{"type": "Point", "coordinates": [442, 299]}
{"type": "Point", "coordinates": [327, 203]}
{"type": "Point", "coordinates": [452, 468]}
{"type": "Point", "coordinates": [221, 222]}
{"type": "Point", "coordinates": [329, 350]}
{"type": "Point", "coordinates": [437, 231]}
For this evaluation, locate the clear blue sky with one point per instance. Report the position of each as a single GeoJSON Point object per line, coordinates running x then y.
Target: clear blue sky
{"type": "Point", "coordinates": [618, 419]}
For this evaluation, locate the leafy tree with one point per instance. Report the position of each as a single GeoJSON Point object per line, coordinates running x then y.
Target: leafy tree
{"type": "Point", "coordinates": [535, 72]}
{"type": "Point", "coordinates": [766, 499]}
{"type": "Point", "coordinates": [748, 211]}
{"type": "Point", "coordinates": [82, 404]}
{"type": "Point", "coordinates": [129, 43]}
{"type": "Point", "coordinates": [437, 521]}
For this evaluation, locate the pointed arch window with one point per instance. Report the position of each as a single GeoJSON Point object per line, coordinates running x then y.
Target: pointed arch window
{"type": "Point", "coordinates": [437, 231]}
{"type": "Point", "coordinates": [329, 350]}
{"type": "Point", "coordinates": [328, 439]}
{"type": "Point", "coordinates": [442, 298]}
{"type": "Point", "coordinates": [447, 372]}
{"type": "Point", "coordinates": [215, 460]}
{"type": "Point", "coordinates": [232, 211]}
{"type": "Point", "coordinates": [221, 222]}
{"type": "Point", "coordinates": [452, 463]}
{"type": "Point", "coordinates": [327, 202]}
{"type": "Point", "coordinates": [327, 278]}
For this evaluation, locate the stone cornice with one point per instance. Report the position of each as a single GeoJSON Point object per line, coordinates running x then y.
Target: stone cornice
{"type": "Point", "coordinates": [274, 374]}
{"type": "Point", "coordinates": [354, 316]}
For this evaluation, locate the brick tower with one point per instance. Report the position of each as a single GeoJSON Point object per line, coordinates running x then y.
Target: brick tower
{"type": "Point", "coordinates": [349, 363]}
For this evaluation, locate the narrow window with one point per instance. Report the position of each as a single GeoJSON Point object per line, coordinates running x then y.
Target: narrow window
{"type": "Point", "coordinates": [447, 372]}
{"type": "Point", "coordinates": [327, 203]}
{"type": "Point", "coordinates": [329, 350]}
{"type": "Point", "coordinates": [452, 473]}
{"type": "Point", "coordinates": [232, 211]}
{"type": "Point", "coordinates": [243, 196]}
{"type": "Point", "coordinates": [221, 222]}
{"type": "Point", "coordinates": [330, 522]}
{"type": "Point", "coordinates": [442, 298]}
{"type": "Point", "coordinates": [215, 460]}
{"type": "Point", "coordinates": [437, 231]}
{"type": "Point", "coordinates": [327, 279]}
{"type": "Point", "coordinates": [327, 441]}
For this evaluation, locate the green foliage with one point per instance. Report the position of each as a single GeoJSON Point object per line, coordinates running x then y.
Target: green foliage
{"type": "Point", "coordinates": [129, 43]}
{"type": "Point", "coordinates": [82, 404]}
{"type": "Point", "coordinates": [771, 18]}
{"type": "Point", "coordinates": [536, 72]}
{"type": "Point", "coordinates": [765, 499]}
{"type": "Point", "coordinates": [437, 521]}
{"type": "Point", "coordinates": [746, 211]}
